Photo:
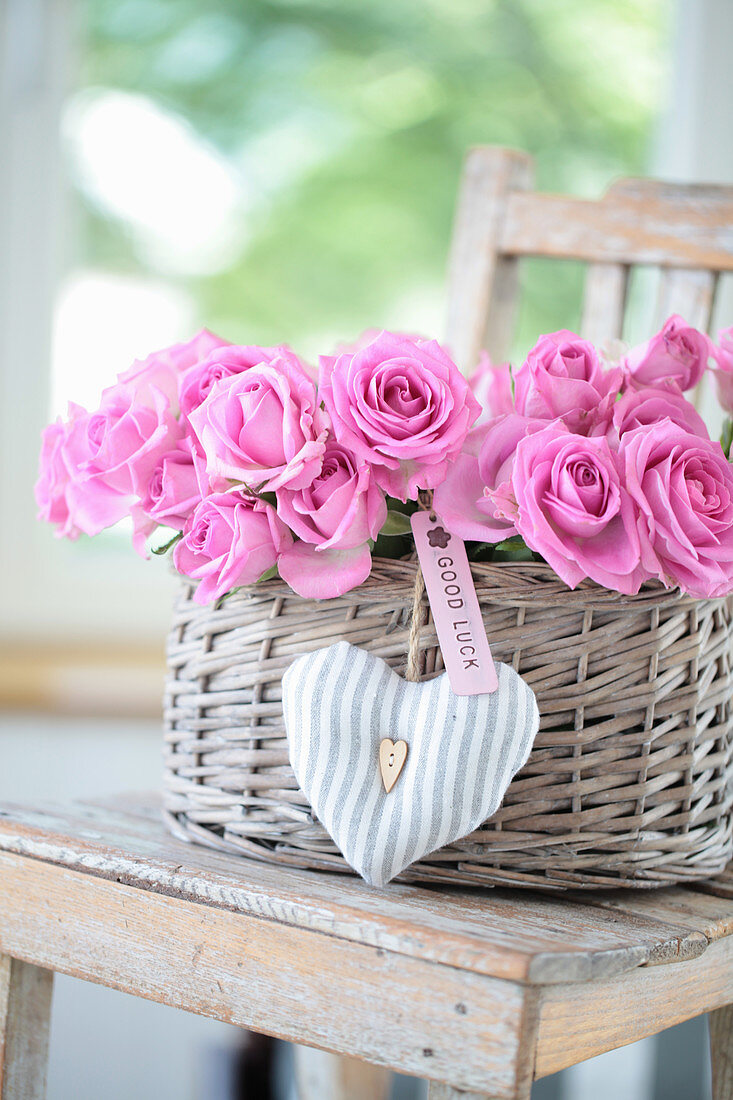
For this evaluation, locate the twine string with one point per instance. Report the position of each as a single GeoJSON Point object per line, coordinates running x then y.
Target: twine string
{"type": "Point", "coordinates": [413, 646]}
{"type": "Point", "coordinates": [412, 672]}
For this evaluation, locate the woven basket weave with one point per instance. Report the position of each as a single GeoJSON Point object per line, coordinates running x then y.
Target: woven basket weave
{"type": "Point", "coordinates": [629, 779]}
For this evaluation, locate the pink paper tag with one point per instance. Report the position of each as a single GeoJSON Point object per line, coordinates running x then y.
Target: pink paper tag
{"type": "Point", "coordinates": [454, 604]}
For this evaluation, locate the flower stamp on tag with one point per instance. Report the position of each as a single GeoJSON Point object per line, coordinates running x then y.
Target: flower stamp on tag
{"type": "Point", "coordinates": [455, 606]}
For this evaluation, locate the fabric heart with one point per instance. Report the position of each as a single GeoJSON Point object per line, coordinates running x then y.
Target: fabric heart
{"type": "Point", "coordinates": [462, 751]}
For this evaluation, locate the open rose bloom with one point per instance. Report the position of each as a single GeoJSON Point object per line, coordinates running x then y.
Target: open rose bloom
{"type": "Point", "coordinates": [248, 467]}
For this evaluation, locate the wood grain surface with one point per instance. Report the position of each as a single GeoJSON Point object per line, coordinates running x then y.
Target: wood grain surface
{"type": "Point", "coordinates": [520, 984]}
{"type": "Point", "coordinates": [721, 1052]}
{"type": "Point", "coordinates": [686, 228]}
{"type": "Point", "coordinates": [25, 1015]}
{"type": "Point", "coordinates": [532, 938]}
{"type": "Point", "coordinates": [578, 1022]}
{"type": "Point", "coordinates": [604, 302]}
{"type": "Point", "coordinates": [406, 1013]}
{"type": "Point", "coordinates": [483, 285]}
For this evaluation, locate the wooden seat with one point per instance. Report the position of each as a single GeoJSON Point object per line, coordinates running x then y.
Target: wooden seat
{"type": "Point", "coordinates": [477, 991]}
{"type": "Point", "coordinates": [480, 992]}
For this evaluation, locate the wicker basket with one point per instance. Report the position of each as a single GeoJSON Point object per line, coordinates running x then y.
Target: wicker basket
{"type": "Point", "coordinates": [628, 782]}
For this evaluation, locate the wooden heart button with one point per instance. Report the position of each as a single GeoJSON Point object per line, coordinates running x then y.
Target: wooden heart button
{"type": "Point", "coordinates": [392, 756]}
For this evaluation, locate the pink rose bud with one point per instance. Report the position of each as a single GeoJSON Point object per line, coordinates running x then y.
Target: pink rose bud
{"type": "Point", "coordinates": [163, 369]}
{"type": "Point", "coordinates": [230, 539]}
{"type": "Point", "coordinates": [402, 406]}
{"type": "Point", "coordinates": [262, 427]}
{"type": "Point", "coordinates": [723, 370]}
{"type": "Point", "coordinates": [676, 356]}
{"type": "Point", "coordinates": [563, 377]}
{"type": "Point", "coordinates": [573, 509]}
{"type": "Point", "coordinates": [682, 486]}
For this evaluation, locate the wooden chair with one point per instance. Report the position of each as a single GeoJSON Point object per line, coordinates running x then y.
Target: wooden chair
{"type": "Point", "coordinates": [479, 993]}
{"type": "Point", "coordinates": [686, 231]}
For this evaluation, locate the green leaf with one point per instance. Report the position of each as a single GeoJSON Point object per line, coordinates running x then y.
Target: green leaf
{"type": "Point", "coordinates": [514, 543]}
{"type": "Point", "coordinates": [159, 550]}
{"type": "Point", "coordinates": [268, 575]}
{"type": "Point", "coordinates": [227, 595]}
{"type": "Point", "coordinates": [480, 551]}
{"type": "Point", "coordinates": [514, 550]}
{"type": "Point", "coordinates": [726, 436]}
{"type": "Point", "coordinates": [396, 523]}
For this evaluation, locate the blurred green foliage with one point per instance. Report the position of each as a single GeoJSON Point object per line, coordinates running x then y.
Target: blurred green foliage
{"type": "Point", "coordinates": [347, 123]}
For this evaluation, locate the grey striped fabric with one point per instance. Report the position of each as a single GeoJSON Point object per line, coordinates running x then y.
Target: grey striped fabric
{"type": "Point", "coordinates": [462, 753]}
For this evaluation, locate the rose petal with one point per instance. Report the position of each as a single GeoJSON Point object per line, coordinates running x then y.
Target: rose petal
{"type": "Point", "coordinates": [323, 574]}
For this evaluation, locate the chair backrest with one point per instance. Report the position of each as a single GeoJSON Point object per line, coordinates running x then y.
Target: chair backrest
{"type": "Point", "coordinates": [685, 230]}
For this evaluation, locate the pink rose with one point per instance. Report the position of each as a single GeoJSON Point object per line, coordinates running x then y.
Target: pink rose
{"type": "Point", "coordinates": [491, 385]}
{"type": "Point", "coordinates": [127, 437]}
{"type": "Point", "coordinates": [683, 489]}
{"type": "Point", "coordinates": [263, 426]}
{"type": "Point", "coordinates": [563, 377]}
{"type": "Point", "coordinates": [100, 462]}
{"type": "Point", "coordinates": [54, 478]}
{"type": "Point", "coordinates": [401, 406]}
{"type": "Point", "coordinates": [230, 539]}
{"type": "Point", "coordinates": [222, 362]}
{"type": "Point", "coordinates": [650, 405]}
{"type": "Point", "coordinates": [172, 493]}
{"type": "Point", "coordinates": [70, 492]}
{"type": "Point", "coordinates": [163, 369]}
{"type": "Point", "coordinates": [723, 370]}
{"type": "Point", "coordinates": [464, 501]}
{"type": "Point", "coordinates": [677, 355]}
{"type": "Point", "coordinates": [335, 516]}
{"type": "Point", "coordinates": [173, 490]}
{"type": "Point", "coordinates": [572, 508]}
{"type": "Point", "coordinates": [342, 507]}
